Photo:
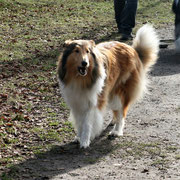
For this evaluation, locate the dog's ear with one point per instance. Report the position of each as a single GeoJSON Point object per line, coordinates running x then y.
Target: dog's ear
{"type": "Point", "coordinates": [67, 43]}
{"type": "Point", "coordinates": [92, 43]}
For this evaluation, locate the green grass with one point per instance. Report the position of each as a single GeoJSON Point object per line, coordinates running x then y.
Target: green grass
{"type": "Point", "coordinates": [91, 160]}
{"type": "Point", "coordinates": [177, 157]}
{"type": "Point", "coordinates": [157, 12]}
{"type": "Point", "coordinates": [32, 28]}
{"type": "Point", "coordinates": [177, 109]}
{"type": "Point", "coordinates": [63, 105]}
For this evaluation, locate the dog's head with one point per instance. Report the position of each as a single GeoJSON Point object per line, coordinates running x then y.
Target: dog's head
{"type": "Point", "coordinates": [78, 60]}
{"type": "Point", "coordinates": [81, 54]}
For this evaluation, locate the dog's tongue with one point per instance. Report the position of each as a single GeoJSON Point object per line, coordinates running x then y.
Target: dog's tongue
{"type": "Point", "coordinates": [82, 71]}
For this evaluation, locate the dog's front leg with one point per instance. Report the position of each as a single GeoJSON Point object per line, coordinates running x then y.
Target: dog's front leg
{"type": "Point", "coordinates": [86, 133]}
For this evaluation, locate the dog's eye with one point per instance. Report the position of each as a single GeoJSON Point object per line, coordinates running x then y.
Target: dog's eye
{"type": "Point", "coordinates": [77, 51]}
{"type": "Point", "coordinates": [87, 51]}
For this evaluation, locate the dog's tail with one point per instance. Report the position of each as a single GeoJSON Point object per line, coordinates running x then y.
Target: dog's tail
{"type": "Point", "coordinates": [146, 43]}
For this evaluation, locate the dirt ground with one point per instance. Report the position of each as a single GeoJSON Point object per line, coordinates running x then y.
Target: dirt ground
{"type": "Point", "coordinates": [149, 149]}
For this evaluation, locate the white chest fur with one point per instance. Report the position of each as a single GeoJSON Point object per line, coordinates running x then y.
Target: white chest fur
{"type": "Point", "coordinates": [80, 99]}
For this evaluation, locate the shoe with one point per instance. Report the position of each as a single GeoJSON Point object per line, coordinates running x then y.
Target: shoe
{"type": "Point", "coordinates": [125, 37]}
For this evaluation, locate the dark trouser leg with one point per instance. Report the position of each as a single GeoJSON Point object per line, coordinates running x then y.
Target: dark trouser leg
{"type": "Point", "coordinates": [128, 16]}
{"type": "Point", "coordinates": [177, 26]}
{"type": "Point", "coordinates": [177, 31]}
{"type": "Point", "coordinates": [176, 10]}
{"type": "Point", "coordinates": [118, 9]}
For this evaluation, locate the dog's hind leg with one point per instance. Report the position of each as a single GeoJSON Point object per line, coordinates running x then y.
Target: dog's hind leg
{"type": "Point", "coordinates": [119, 116]}
{"type": "Point", "coordinates": [119, 124]}
{"type": "Point", "coordinates": [113, 122]}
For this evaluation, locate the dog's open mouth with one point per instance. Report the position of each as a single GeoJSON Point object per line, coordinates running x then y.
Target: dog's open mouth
{"type": "Point", "coordinates": [82, 71]}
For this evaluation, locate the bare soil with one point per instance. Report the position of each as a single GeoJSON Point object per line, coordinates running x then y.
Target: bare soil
{"type": "Point", "coordinates": [149, 149]}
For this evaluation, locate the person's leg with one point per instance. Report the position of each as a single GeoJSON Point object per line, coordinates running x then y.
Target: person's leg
{"type": "Point", "coordinates": [177, 19]}
{"type": "Point", "coordinates": [128, 16]}
{"type": "Point", "coordinates": [177, 27]}
{"type": "Point", "coordinates": [118, 8]}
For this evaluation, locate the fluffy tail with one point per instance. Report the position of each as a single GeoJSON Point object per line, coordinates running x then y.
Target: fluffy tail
{"type": "Point", "coordinates": [146, 43]}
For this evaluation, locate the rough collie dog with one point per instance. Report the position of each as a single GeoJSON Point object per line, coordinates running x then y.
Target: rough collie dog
{"type": "Point", "coordinates": [110, 74]}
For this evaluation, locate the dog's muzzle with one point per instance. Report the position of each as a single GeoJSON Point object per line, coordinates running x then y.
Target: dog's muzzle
{"type": "Point", "coordinates": [82, 71]}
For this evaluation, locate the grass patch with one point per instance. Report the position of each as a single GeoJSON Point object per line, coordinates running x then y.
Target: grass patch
{"type": "Point", "coordinates": [63, 105]}
{"type": "Point", "coordinates": [172, 148]}
{"type": "Point", "coordinates": [160, 162]}
{"type": "Point", "coordinates": [47, 134]}
{"type": "Point", "coordinates": [153, 12]}
{"type": "Point", "coordinates": [91, 160]}
{"type": "Point", "coordinates": [178, 109]}
{"type": "Point", "coordinates": [136, 150]}
{"type": "Point", "coordinates": [56, 123]}
{"type": "Point", "coordinates": [66, 128]}
{"type": "Point", "coordinates": [177, 157]}
{"type": "Point", "coordinates": [48, 23]}
{"type": "Point", "coordinates": [13, 171]}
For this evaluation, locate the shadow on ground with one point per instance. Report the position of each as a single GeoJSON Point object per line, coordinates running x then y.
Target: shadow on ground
{"type": "Point", "coordinates": [63, 159]}
{"type": "Point", "coordinates": [167, 64]}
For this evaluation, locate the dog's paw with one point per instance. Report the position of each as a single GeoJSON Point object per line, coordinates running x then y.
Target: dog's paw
{"type": "Point", "coordinates": [112, 123]}
{"type": "Point", "coordinates": [116, 133]}
{"type": "Point", "coordinates": [76, 139]}
{"type": "Point", "coordinates": [84, 144]}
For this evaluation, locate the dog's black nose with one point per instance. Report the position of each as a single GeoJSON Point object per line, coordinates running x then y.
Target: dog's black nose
{"type": "Point", "coordinates": [84, 63]}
